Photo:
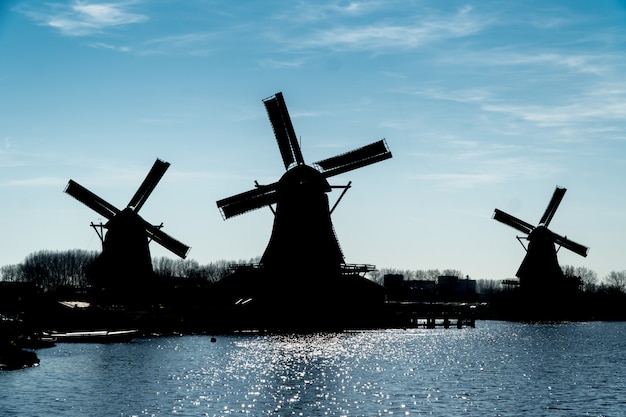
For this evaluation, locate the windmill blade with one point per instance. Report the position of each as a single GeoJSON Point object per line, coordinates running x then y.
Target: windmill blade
{"type": "Point", "coordinates": [283, 130]}
{"type": "Point", "coordinates": [148, 184]}
{"type": "Point", "coordinates": [366, 155]}
{"type": "Point", "coordinates": [512, 221]}
{"type": "Point", "coordinates": [552, 206]}
{"type": "Point", "coordinates": [571, 245]}
{"type": "Point", "coordinates": [91, 200]}
{"type": "Point", "coordinates": [262, 196]}
{"type": "Point", "coordinates": [167, 241]}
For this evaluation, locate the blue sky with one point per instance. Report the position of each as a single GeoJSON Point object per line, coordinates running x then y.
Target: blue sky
{"type": "Point", "coordinates": [484, 104]}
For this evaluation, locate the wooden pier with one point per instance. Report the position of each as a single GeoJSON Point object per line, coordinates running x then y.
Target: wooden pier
{"type": "Point", "coordinates": [432, 315]}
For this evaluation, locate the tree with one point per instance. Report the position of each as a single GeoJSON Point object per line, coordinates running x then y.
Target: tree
{"type": "Point", "coordinates": [587, 277]}
{"type": "Point", "coordinates": [617, 280]}
{"type": "Point", "coordinates": [11, 273]}
{"type": "Point", "coordinates": [488, 286]}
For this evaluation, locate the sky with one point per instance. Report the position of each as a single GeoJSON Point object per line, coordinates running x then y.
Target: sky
{"type": "Point", "coordinates": [484, 104]}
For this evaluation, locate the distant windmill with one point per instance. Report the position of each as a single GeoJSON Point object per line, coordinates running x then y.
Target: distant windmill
{"type": "Point", "coordinates": [125, 257]}
{"type": "Point", "coordinates": [303, 236]}
{"type": "Point", "coordinates": [540, 263]}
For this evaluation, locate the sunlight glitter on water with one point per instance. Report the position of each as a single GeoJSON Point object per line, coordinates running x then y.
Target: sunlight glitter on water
{"type": "Point", "coordinates": [495, 369]}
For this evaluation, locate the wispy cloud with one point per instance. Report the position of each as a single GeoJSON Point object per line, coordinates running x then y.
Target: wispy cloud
{"type": "Point", "coordinates": [541, 57]}
{"type": "Point", "coordinates": [466, 95]}
{"type": "Point", "coordinates": [307, 12]}
{"type": "Point", "coordinates": [460, 180]}
{"type": "Point", "coordinates": [82, 18]}
{"type": "Point", "coordinates": [196, 43]}
{"type": "Point", "coordinates": [277, 64]}
{"type": "Point", "coordinates": [384, 35]}
{"type": "Point", "coordinates": [100, 45]}
{"type": "Point", "coordinates": [492, 167]}
{"type": "Point", "coordinates": [580, 105]}
{"type": "Point", "coordinates": [598, 105]}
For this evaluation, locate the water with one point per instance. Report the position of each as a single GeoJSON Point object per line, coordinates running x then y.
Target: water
{"type": "Point", "coordinates": [495, 369]}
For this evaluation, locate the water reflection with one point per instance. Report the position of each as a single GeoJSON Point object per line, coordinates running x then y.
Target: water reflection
{"type": "Point", "coordinates": [496, 369]}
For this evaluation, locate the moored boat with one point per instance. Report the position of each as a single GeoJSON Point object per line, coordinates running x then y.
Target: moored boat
{"type": "Point", "coordinates": [95, 336]}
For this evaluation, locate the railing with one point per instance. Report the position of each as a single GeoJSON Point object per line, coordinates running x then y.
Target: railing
{"type": "Point", "coordinates": [245, 267]}
{"type": "Point", "coordinates": [357, 268]}
{"type": "Point", "coordinates": [345, 268]}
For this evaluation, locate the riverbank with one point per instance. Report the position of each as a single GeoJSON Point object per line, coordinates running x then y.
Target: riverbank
{"type": "Point", "coordinates": [196, 309]}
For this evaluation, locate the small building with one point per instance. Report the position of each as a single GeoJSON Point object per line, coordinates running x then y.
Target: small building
{"type": "Point", "coordinates": [452, 288]}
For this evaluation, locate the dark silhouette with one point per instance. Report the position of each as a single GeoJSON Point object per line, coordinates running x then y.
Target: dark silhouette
{"type": "Point", "coordinates": [302, 279]}
{"type": "Point", "coordinates": [541, 279]}
{"type": "Point", "coordinates": [12, 356]}
{"type": "Point", "coordinates": [124, 267]}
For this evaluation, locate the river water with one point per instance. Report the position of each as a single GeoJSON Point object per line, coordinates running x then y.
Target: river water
{"type": "Point", "coordinates": [495, 369]}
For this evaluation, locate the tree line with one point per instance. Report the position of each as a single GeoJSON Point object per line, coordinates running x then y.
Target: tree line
{"type": "Point", "coordinates": [53, 269]}
{"type": "Point", "coordinates": [49, 270]}
{"type": "Point", "coordinates": [615, 281]}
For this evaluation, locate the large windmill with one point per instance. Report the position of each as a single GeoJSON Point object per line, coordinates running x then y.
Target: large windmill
{"type": "Point", "coordinates": [303, 252]}
{"type": "Point", "coordinates": [540, 269]}
{"type": "Point", "coordinates": [125, 262]}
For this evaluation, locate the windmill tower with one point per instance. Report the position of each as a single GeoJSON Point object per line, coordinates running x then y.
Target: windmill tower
{"type": "Point", "coordinates": [303, 252]}
{"type": "Point", "coordinates": [540, 270]}
{"type": "Point", "coordinates": [125, 263]}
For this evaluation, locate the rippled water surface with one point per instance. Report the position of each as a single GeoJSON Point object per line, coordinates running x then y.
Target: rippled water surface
{"type": "Point", "coordinates": [495, 369]}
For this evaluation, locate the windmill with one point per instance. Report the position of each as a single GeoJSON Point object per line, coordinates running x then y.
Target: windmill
{"type": "Point", "coordinates": [125, 262]}
{"type": "Point", "coordinates": [540, 269]}
{"type": "Point", "coordinates": [303, 251]}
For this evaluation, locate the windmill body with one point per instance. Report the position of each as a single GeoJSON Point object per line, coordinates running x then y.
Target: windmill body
{"type": "Point", "coordinates": [303, 233]}
{"type": "Point", "coordinates": [302, 263]}
{"type": "Point", "coordinates": [125, 264]}
{"type": "Point", "coordinates": [540, 267]}
{"type": "Point", "coordinates": [540, 272]}
{"type": "Point", "coordinates": [125, 257]}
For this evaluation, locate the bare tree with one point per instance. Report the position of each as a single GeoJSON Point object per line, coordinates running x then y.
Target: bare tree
{"type": "Point", "coordinates": [617, 280]}
{"type": "Point", "coordinates": [11, 273]}
{"type": "Point", "coordinates": [488, 286]}
{"type": "Point", "coordinates": [587, 277]}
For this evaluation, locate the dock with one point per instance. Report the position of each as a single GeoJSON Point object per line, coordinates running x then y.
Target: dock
{"type": "Point", "coordinates": [432, 315]}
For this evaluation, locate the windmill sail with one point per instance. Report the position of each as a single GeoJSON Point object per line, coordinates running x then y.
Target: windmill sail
{"type": "Point", "coordinates": [248, 201]}
{"type": "Point", "coordinates": [552, 206]}
{"type": "Point", "coordinates": [117, 217]}
{"type": "Point", "coordinates": [366, 155]}
{"type": "Point", "coordinates": [571, 245]}
{"type": "Point", "coordinates": [91, 200]}
{"type": "Point", "coordinates": [166, 240]}
{"type": "Point", "coordinates": [146, 188]}
{"type": "Point", "coordinates": [283, 130]}
{"type": "Point", "coordinates": [512, 221]}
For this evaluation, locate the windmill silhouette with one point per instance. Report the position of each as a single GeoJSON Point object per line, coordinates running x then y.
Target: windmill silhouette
{"type": "Point", "coordinates": [303, 253]}
{"type": "Point", "coordinates": [540, 270]}
{"type": "Point", "coordinates": [125, 263]}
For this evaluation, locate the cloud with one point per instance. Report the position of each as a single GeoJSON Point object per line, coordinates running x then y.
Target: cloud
{"type": "Point", "coordinates": [386, 35]}
{"type": "Point", "coordinates": [275, 64]}
{"type": "Point", "coordinates": [460, 180]}
{"type": "Point", "coordinates": [306, 12]}
{"type": "Point", "coordinates": [581, 105]}
{"type": "Point", "coordinates": [100, 45]}
{"type": "Point", "coordinates": [596, 64]}
{"type": "Point", "coordinates": [466, 95]}
{"type": "Point", "coordinates": [82, 18]}
{"type": "Point", "coordinates": [196, 43]}
{"type": "Point", "coordinates": [599, 105]}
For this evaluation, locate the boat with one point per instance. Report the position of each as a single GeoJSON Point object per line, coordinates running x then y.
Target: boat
{"type": "Point", "coordinates": [95, 336]}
